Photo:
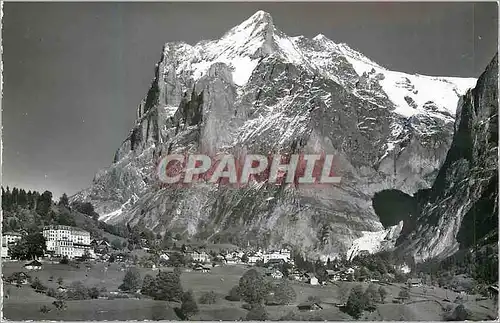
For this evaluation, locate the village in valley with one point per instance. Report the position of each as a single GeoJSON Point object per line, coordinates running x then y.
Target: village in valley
{"type": "Point", "coordinates": [84, 269]}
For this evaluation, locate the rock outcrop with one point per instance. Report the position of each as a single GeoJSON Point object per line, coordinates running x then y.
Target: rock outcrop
{"type": "Point", "coordinates": [461, 208]}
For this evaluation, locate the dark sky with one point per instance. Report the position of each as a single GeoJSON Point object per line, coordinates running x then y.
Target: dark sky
{"type": "Point", "coordinates": [74, 73]}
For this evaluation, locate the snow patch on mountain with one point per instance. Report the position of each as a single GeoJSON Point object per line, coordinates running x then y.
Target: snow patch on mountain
{"type": "Point", "coordinates": [373, 242]}
{"type": "Point", "coordinates": [403, 88]}
{"type": "Point", "coordinates": [115, 214]}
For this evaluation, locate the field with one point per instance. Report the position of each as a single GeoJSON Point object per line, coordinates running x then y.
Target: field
{"type": "Point", "coordinates": [24, 304]}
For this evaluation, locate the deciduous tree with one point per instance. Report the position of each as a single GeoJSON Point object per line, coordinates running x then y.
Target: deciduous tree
{"type": "Point", "coordinates": [131, 281]}
{"type": "Point", "coordinates": [252, 287]}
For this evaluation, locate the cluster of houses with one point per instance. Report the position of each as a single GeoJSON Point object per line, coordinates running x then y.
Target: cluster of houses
{"type": "Point", "coordinates": [233, 257]}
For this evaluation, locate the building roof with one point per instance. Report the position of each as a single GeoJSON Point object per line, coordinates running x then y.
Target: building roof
{"type": "Point", "coordinates": [12, 233]}
{"type": "Point", "coordinates": [33, 263]}
{"type": "Point", "coordinates": [332, 272]}
{"type": "Point", "coordinates": [64, 227]}
{"type": "Point", "coordinates": [278, 260]}
{"type": "Point", "coordinates": [309, 304]}
{"type": "Point", "coordinates": [493, 288]}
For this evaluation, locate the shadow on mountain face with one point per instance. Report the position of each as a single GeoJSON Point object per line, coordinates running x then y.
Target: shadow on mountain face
{"type": "Point", "coordinates": [393, 206]}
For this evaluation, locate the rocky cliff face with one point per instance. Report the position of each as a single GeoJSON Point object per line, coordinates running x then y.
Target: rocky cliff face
{"type": "Point", "coordinates": [460, 209]}
{"type": "Point", "coordinates": [256, 90]}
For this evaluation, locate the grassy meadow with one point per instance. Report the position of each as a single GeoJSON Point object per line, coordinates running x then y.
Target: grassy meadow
{"type": "Point", "coordinates": [24, 303]}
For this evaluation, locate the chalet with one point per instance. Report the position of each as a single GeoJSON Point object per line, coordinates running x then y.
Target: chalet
{"type": "Point", "coordinates": [333, 275]}
{"type": "Point", "coordinates": [164, 257]}
{"type": "Point", "coordinates": [104, 243]}
{"type": "Point", "coordinates": [311, 279]}
{"type": "Point", "coordinates": [277, 274]}
{"type": "Point", "coordinates": [283, 254]}
{"type": "Point", "coordinates": [119, 258]}
{"type": "Point", "coordinates": [231, 260]}
{"type": "Point", "coordinates": [414, 282]}
{"type": "Point", "coordinates": [309, 306]}
{"type": "Point", "coordinates": [274, 263]}
{"type": "Point", "coordinates": [19, 278]}
{"type": "Point", "coordinates": [34, 265]}
{"type": "Point", "coordinates": [101, 246]}
{"type": "Point", "coordinates": [295, 275]}
{"type": "Point", "coordinates": [253, 258]}
{"type": "Point", "coordinates": [199, 256]}
{"type": "Point", "coordinates": [493, 291]}
{"type": "Point", "coordinates": [201, 268]}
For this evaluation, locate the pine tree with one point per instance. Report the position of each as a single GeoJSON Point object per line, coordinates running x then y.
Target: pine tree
{"type": "Point", "coordinates": [44, 203]}
{"type": "Point", "coordinates": [29, 199]}
{"type": "Point", "coordinates": [6, 199]}
{"type": "Point", "coordinates": [14, 196]}
{"type": "Point", "coordinates": [35, 198]}
{"type": "Point", "coordinates": [22, 199]}
{"type": "Point", "coordinates": [64, 201]}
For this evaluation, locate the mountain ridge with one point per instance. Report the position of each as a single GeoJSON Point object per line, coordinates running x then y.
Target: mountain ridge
{"type": "Point", "coordinates": [384, 129]}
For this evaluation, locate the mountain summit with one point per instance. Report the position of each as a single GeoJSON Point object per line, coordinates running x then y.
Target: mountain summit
{"type": "Point", "coordinates": [257, 90]}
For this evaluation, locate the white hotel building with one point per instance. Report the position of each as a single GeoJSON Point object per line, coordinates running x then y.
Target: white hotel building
{"type": "Point", "coordinates": [283, 254]}
{"type": "Point", "coordinates": [9, 239]}
{"type": "Point", "coordinates": [66, 241]}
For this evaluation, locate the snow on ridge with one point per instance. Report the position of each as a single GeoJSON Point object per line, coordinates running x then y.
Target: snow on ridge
{"type": "Point", "coordinates": [236, 48]}
{"type": "Point", "coordinates": [410, 93]}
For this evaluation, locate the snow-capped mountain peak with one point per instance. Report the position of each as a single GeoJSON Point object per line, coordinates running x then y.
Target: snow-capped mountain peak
{"type": "Point", "coordinates": [256, 89]}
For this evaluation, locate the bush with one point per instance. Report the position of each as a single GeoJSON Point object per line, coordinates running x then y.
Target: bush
{"type": "Point", "coordinates": [257, 313]}
{"type": "Point", "coordinates": [78, 291]}
{"type": "Point", "coordinates": [314, 299]}
{"type": "Point", "coordinates": [372, 296]}
{"type": "Point", "coordinates": [283, 294]}
{"type": "Point", "coordinates": [208, 298]}
{"type": "Point", "coordinates": [383, 294]}
{"type": "Point", "coordinates": [51, 292]}
{"type": "Point", "coordinates": [188, 306]}
{"type": "Point", "coordinates": [159, 312]}
{"type": "Point", "coordinates": [94, 293]}
{"type": "Point", "coordinates": [246, 306]}
{"type": "Point", "coordinates": [44, 309]}
{"type": "Point", "coordinates": [37, 285]}
{"type": "Point", "coordinates": [234, 294]}
{"type": "Point", "coordinates": [404, 294]}
{"type": "Point", "coordinates": [459, 314]}
{"type": "Point", "coordinates": [149, 286]}
{"type": "Point", "coordinates": [59, 304]}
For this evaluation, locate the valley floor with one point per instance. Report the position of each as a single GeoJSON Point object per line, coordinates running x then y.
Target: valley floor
{"type": "Point", "coordinates": [23, 303]}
